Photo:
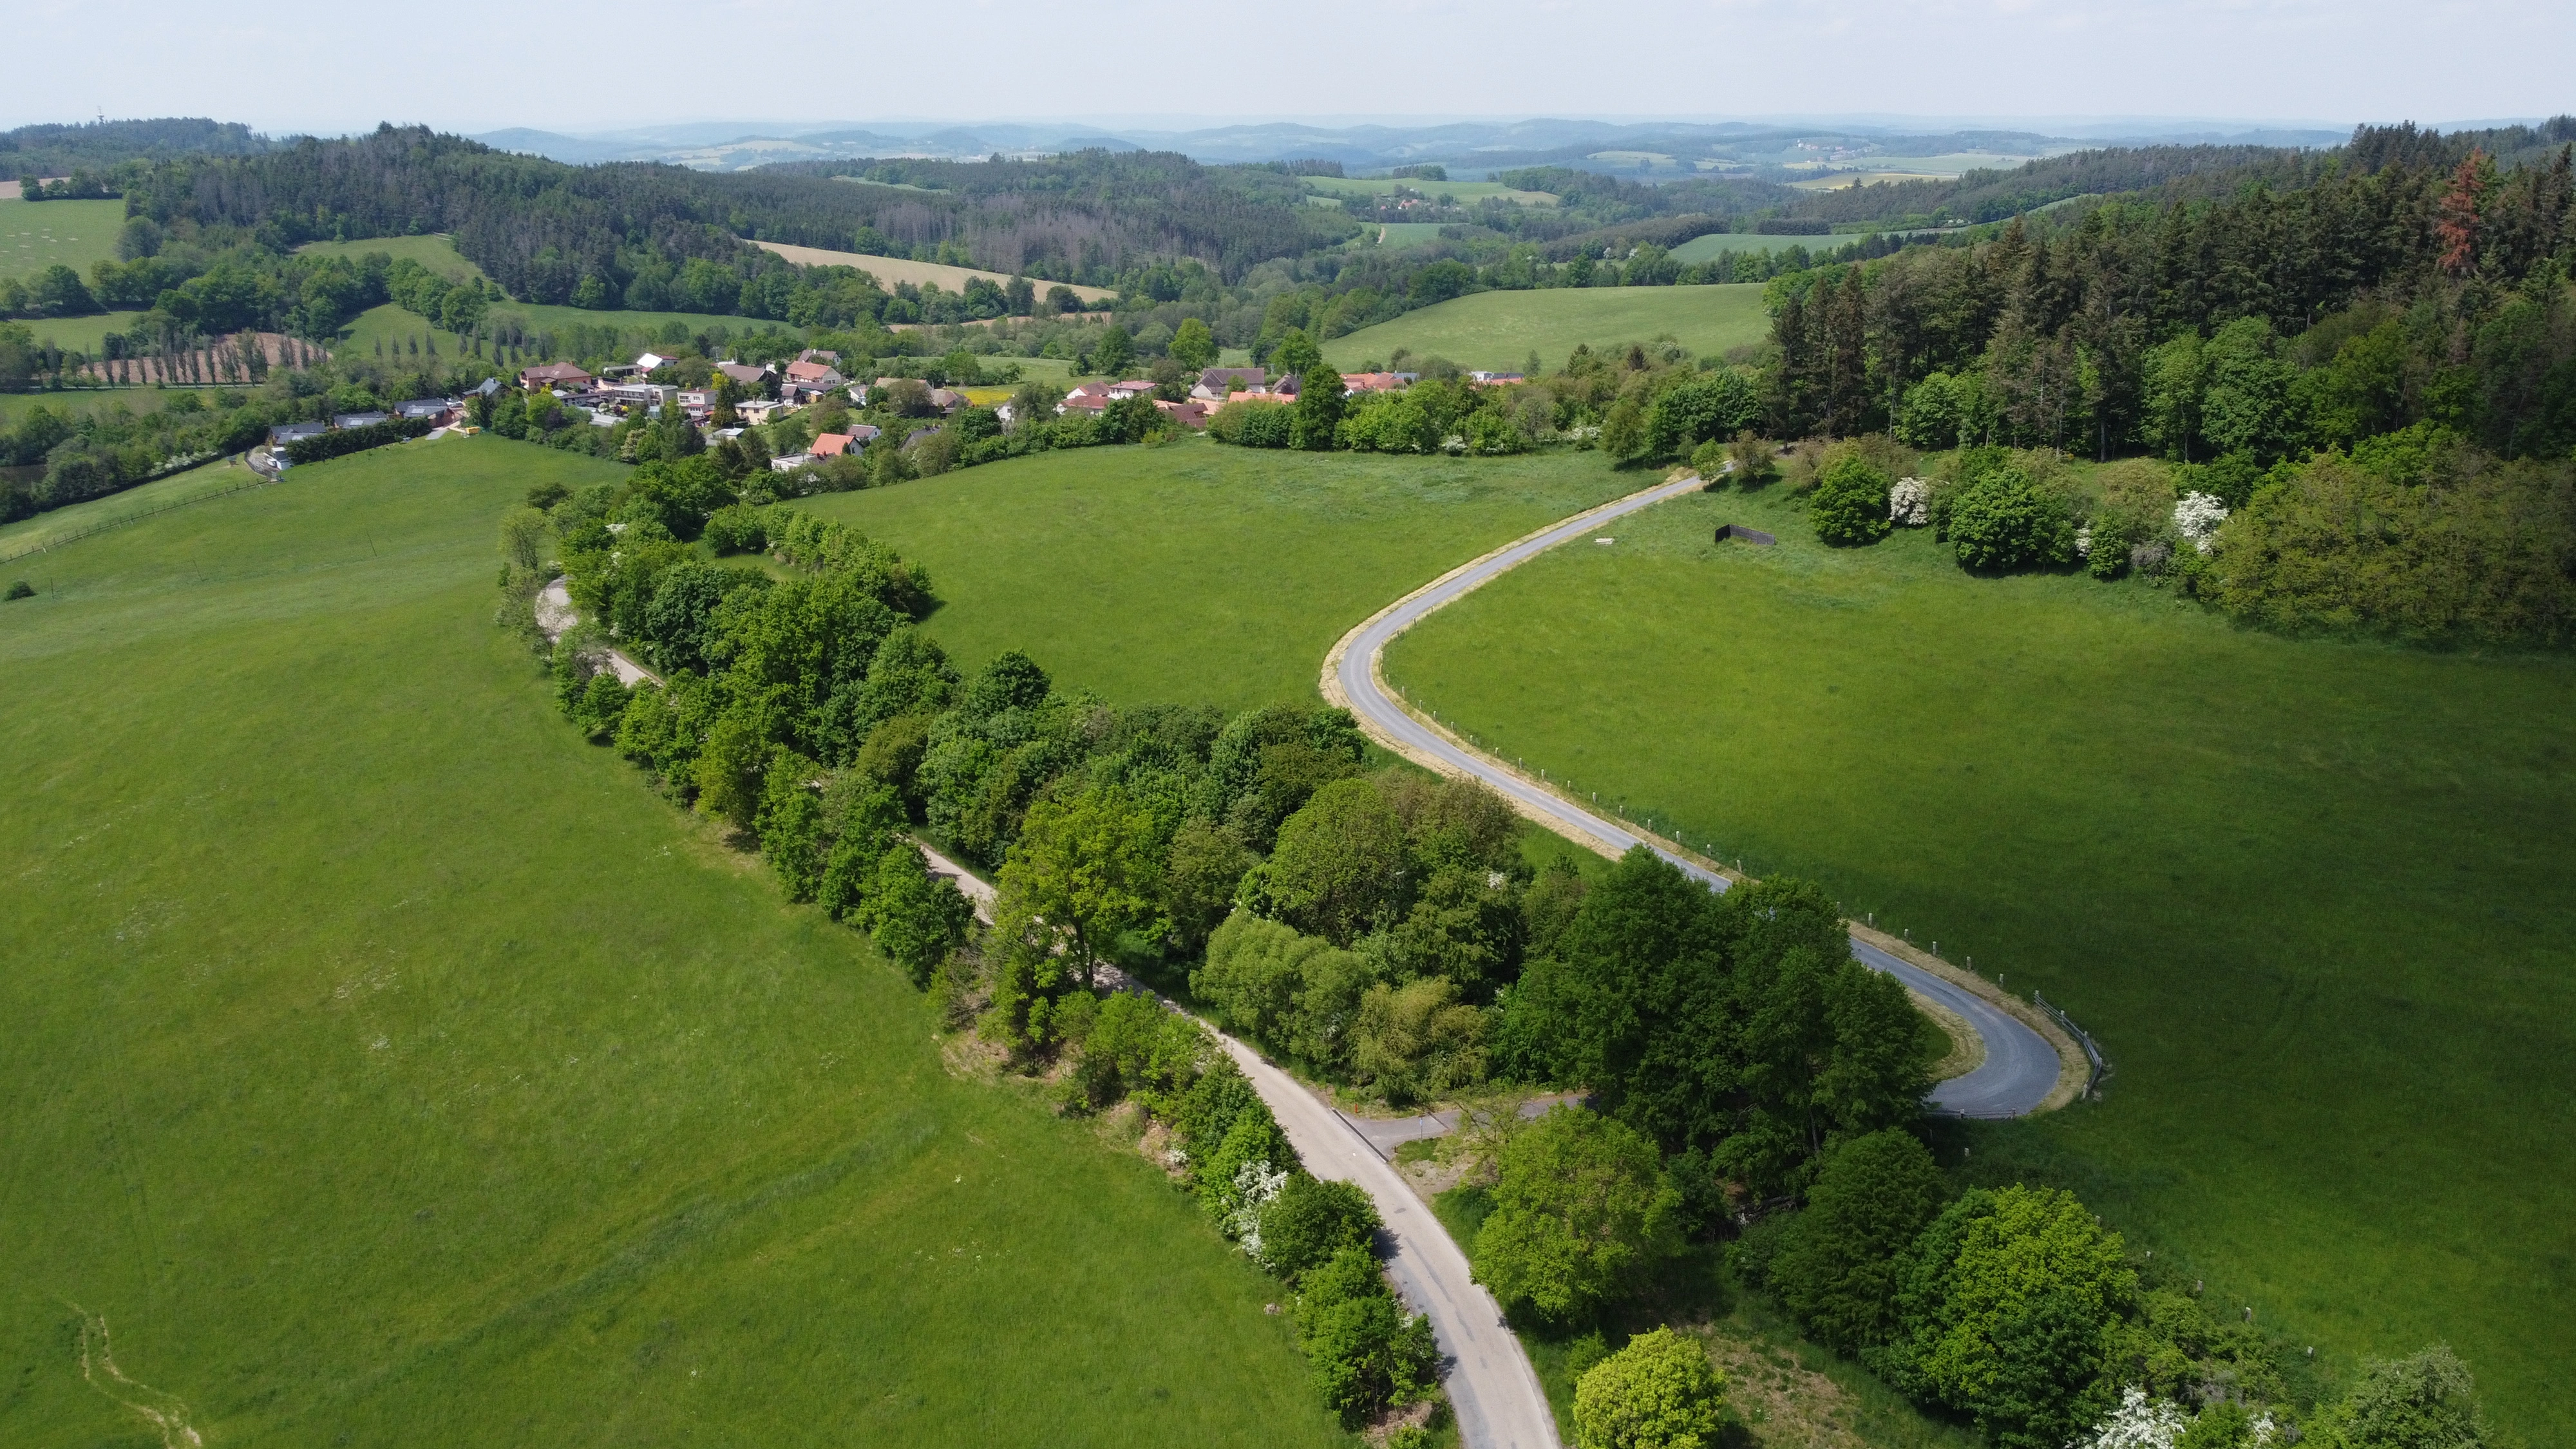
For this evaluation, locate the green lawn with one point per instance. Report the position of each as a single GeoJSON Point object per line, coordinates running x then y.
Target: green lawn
{"type": "Point", "coordinates": [1393, 234]}
{"type": "Point", "coordinates": [35, 235]}
{"type": "Point", "coordinates": [83, 401]}
{"type": "Point", "coordinates": [82, 334]}
{"type": "Point", "coordinates": [1726, 243]}
{"type": "Point", "coordinates": [386, 1066]}
{"type": "Point", "coordinates": [1195, 572]}
{"type": "Point", "coordinates": [435, 251]}
{"type": "Point", "coordinates": [1499, 330]}
{"type": "Point", "coordinates": [44, 529]}
{"type": "Point", "coordinates": [2311, 895]}
{"type": "Point", "coordinates": [1468, 192]}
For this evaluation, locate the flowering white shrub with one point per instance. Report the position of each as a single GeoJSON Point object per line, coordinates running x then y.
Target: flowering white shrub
{"type": "Point", "coordinates": [1255, 1184]}
{"type": "Point", "coordinates": [2197, 516]}
{"type": "Point", "coordinates": [2084, 541]}
{"type": "Point", "coordinates": [1909, 503]}
{"type": "Point", "coordinates": [2139, 1423]}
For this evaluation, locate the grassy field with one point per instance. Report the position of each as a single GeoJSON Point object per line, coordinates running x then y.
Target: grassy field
{"type": "Point", "coordinates": [391, 324]}
{"type": "Point", "coordinates": [435, 251]}
{"type": "Point", "coordinates": [2311, 895]}
{"type": "Point", "coordinates": [46, 529]}
{"type": "Point", "coordinates": [83, 334]}
{"type": "Point", "coordinates": [1196, 572]}
{"type": "Point", "coordinates": [35, 235]}
{"type": "Point", "coordinates": [1398, 234]}
{"type": "Point", "coordinates": [387, 1066]}
{"type": "Point", "coordinates": [1500, 329]}
{"type": "Point", "coordinates": [1723, 243]}
{"type": "Point", "coordinates": [81, 401]}
{"type": "Point", "coordinates": [1468, 192]}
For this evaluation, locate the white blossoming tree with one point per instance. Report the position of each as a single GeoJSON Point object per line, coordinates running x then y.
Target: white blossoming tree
{"type": "Point", "coordinates": [1909, 502]}
{"type": "Point", "coordinates": [1255, 1184]}
{"type": "Point", "coordinates": [2196, 516]}
{"type": "Point", "coordinates": [2139, 1423]}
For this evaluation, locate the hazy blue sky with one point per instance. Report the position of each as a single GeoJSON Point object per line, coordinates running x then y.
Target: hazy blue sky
{"type": "Point", "coordinates": [475, 65]}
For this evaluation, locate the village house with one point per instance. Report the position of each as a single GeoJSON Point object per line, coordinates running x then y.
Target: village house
{"type": "Point", "coordinates": [1091, 397]}
{"type": "Point", "coordinates": [285, 433]}
{"type": "Point", "coordinates": [1132, 387]}
{"type": "Point", "coordinates": [1191, 414]}
{"type": "Point", "coordinates": [810, 379]}
{"type": "Point", "coordinates": [438, 412]}
{"type": "Point", "coordinates": [653, 361]}
{"type": "Point", "coordinates": [345, 421]}
{"type": "Point", "coordinates": [1495, 379]}
{"type": "Point", "coordinates": [742, 373]}
{"type": "Point", "coordinates": [1358, 382]}
{"type": "Point", "coordinates": [553, 375]}
{"type": "Point", "coordinates": [1215, 382]}
{"type": "Point", "coordinates": [947, 400]}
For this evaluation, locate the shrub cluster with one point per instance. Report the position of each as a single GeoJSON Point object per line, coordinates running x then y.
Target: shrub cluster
{"type": "Point", "coordinates": [343, 441]}
{"type": "Point", "coordinates": [2015, 1309]}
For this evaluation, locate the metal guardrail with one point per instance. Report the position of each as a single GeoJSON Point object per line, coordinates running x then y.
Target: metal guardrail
{"type": "Point", "coordinates": [2100, 1064]}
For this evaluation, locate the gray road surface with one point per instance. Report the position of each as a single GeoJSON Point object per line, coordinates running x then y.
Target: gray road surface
{"type": "Point", "coordinates": [1492, 1388]}
{"type": "Point", "coordinates": [2020, 1067]}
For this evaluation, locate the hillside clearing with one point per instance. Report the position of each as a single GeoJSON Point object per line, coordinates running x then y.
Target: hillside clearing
{"type": "Point", "coordinates": [1499, 330]}
{"type": "Point", "coordinates": [890, 270]}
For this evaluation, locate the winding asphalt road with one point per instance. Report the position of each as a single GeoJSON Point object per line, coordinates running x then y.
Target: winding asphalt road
{"type": "Point", "coordinates": [1492, 1388]}
{"type": "Point", "coordinates": [2021, 1067]}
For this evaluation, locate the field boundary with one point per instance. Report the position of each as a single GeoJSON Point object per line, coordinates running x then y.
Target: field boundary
{"type": "Point", "coordinates": [104, 525]}
{"type": "Point", "coordinates": [2078, 1071]}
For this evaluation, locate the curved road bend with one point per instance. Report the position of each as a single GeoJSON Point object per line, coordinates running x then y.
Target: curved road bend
{"type": "Point", "coordinates": [1492, 1388]}
{"type": "Point", "coordinates": [2020, 1069]}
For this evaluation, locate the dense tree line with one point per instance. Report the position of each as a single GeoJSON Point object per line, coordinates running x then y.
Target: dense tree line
{"type": "Point", "coordinates": [100, 146]}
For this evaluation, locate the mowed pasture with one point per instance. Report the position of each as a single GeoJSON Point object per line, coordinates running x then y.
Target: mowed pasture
{"type": "Point", "coordinates": [1196, 573]}
{"type": "Point", "coordinates": [80, 402]}
{"type": "Point", "coordinates": [80, 334]}
{"type": "Point", "coordinates": [25, 539]}
{"type": "Point", "coordinates": [2311, 895]}
{"type": "Point", "coordinates": [436, 251]}
{"type": "Point", "coordinates": [387, 1065]}
{"type": "Point", "coordinates": [1499, 330]}
{"type": "Point", "coordinates": [35, 235]}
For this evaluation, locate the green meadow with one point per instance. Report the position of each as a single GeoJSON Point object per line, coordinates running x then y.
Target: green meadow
{"type": "Point", "coordinates": [80, 402]}
{"type": "Point", "coordinates": [50, 528]}
{"type": "Point", "coordinates": [35, 235]}
{"type": "Point", "coordinates": [388, 1066]}
{"type": "Point", "coordinates": [1727, 243]}
{"type": "Point", "coordinates": [435, 251]}
{"type": "Point", "coordinates": [2311, 895]}
{"type": "Point", "coordinates": [1469, 192]}
{"type": "Point", "coordinates": [80, 334]}
{"type": "Point", "coordinates": [1499, 330]}
{"type": "Point", "coordinates": [1194, 572]}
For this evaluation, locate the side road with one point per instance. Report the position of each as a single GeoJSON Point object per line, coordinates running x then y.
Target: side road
{"type": "Point", "coordinates": [2030, 1065]}
{"type": "Point", "coordinates": [555, 615]}
{"type": "Point", "coordinates": [1492, 1388]}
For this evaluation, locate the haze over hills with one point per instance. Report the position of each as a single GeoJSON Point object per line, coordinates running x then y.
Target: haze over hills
{"type": "Point", "coordinates": [1635, 148]}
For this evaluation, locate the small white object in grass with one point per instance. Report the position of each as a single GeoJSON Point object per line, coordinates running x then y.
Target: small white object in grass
{"type": "Point", "coordinates": [1605, 542]}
